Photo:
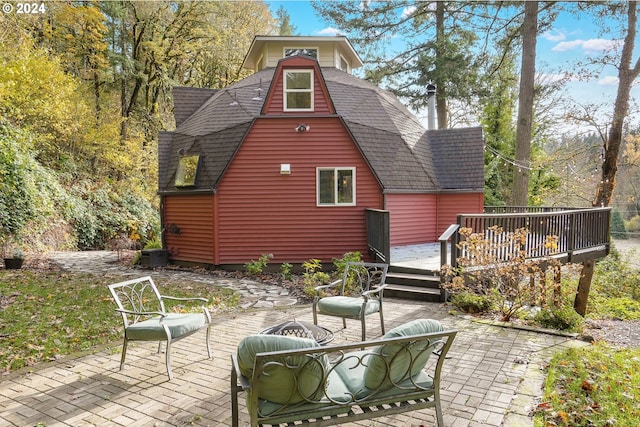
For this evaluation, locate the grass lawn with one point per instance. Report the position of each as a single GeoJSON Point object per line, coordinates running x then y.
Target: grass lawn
{"type": "Point", "coordinates": [45, 316]}
{"type": "Point", "coordinates": [592, 386]}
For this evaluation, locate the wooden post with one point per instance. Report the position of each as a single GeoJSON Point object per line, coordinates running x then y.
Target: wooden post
{"type": "Point", "coordinates": [584, 285]}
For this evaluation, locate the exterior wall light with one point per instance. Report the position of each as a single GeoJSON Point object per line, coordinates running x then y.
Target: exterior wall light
{"type": "Point", "coordinates": [285, 169]}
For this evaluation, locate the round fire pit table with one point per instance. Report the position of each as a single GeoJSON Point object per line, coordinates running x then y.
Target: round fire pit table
{"type": "Point", "coordinates": [295, 328]}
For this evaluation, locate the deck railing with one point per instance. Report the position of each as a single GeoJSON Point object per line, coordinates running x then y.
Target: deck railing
{"type": "Point", "coordinates": [378, 237]}
{"type": "Point", "coordinates": [581, 233]}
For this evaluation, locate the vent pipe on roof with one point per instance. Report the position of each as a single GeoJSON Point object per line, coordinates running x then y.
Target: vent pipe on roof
{"type": "Point", "coordinates": [431, 107]}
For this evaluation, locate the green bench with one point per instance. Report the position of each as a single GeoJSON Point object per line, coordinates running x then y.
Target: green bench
{"type": "Point", "coordinates": [287, 379]}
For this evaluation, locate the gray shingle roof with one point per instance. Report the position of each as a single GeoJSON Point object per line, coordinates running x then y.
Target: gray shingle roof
{"type": "Point", "coordinates": [186, 100]}
{"type": "Point", "coordinates": [403, 155]}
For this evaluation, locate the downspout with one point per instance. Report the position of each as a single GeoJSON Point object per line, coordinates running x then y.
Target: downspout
{"type": "Point", "coordinates": [163, 232]}
{"type": "Point", "coordinates": [216, 228]}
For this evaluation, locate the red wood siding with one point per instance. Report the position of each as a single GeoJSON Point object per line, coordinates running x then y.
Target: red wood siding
{"type": "Point", "coordinates": [275, 100]}
{"type": "Point", "coordinates": [193, 214]}
{"type": "Point", "coordinates": [450, 205]}
{"type": "Point", "coordinates": [412, 218]}
{"type": "Point", "coordinates": [262, 211]}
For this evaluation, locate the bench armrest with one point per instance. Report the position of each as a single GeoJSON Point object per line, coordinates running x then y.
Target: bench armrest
{"type": "Point", "coordinates": [241, 380]}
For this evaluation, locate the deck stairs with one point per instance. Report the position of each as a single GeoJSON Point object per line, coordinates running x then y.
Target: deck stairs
{"type": "Point", "coordinates": [413, 283]}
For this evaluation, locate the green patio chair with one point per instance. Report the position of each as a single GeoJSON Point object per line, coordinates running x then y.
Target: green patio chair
{"type": "Point", "coordinates": [358, 294]}
{"type": "Point", "coordinates": [146, 319]}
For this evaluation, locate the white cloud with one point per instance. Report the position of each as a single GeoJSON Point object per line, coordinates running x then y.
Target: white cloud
{"type": "Point", "coordinates": [408, 11]}
{"type": "Point", "coordinates": [565, 46]}
{"type": "Point", "coordinates": [589, 46]}
{"type": "Point", "coordinates": [329, 31]}
{"type": "Point", "coordinates": [551, 78]}
{"type": "Point", "coordinates": [608, 81]}
{"type": "Point", "coordinates": [554, 35]}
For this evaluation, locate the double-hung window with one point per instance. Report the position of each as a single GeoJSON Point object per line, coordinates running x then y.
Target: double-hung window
{"type": "Point", "coordinates": [336, 186]}
{"type": "Point", "coordinates": [298, 90]}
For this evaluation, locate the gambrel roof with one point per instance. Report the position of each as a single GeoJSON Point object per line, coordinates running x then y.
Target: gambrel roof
{"type": "Point", "coordinates": [404, 156]}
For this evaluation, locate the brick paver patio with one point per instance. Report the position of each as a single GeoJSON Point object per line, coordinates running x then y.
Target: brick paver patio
{"type": "Point", "coordinates": [492, 379]}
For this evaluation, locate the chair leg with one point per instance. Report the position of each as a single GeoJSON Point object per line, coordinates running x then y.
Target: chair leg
{"type": "Point", "coordinates": [344, 323]}
{"type": "Point", "coordinates": [124, 353]}
{"type": "Point", "coordinates": [168, 360]}
{"type": "Point", "coordinates": [381, 320]}
{"type": "Point", "coordinates": [438, 408]}
{"type": "Point", "coordinates": [209, 340]}
{"type": "Point", "coordinates": [315, 314]}
{"type": "Point", "coordinates": [234, 398]}
{"type": "Point", "coordinates": [364, 329]}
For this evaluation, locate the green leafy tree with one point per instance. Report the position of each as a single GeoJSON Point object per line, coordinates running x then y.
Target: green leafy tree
{"type": "Point", "coordinates": [285, 27]}
{"type": "Point", "coordinates": [440, 40]}
{"type": "Point", "coordinates": [17, 198]}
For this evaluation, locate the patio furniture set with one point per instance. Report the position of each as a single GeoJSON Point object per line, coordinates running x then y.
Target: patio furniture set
{"type": "Point", "coordinates": [291, 372]}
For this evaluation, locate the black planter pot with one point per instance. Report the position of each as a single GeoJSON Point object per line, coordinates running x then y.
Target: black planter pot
{"type": "Point", "coordinates": [13, 263]}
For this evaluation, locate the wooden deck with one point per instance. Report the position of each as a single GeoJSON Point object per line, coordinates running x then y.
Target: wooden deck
{"type": "Point", "coordinates": [581, 234]}
{"type": "Point", "coordinates": [423, 256]}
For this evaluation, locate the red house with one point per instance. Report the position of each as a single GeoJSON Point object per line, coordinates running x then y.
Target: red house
{"type": "Point", "coordinates": [287, 161]}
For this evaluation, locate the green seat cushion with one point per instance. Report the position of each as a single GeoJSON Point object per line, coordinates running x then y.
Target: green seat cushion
{"type": "Point", "coordinates": [335, 401]}
{"type": "Point", "coordinates": [179, 325]}
{"type": "Point", "coordinates": [392, 364]}
{"type": "Point", "coordinates": [346, 306]}
{"type": "Point", "coordinates": [290, 379]}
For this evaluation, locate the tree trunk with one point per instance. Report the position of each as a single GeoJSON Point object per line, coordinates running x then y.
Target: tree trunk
{"type": "Point", "coordinates": [626, 77]}
{"type": "Point", "coordinates": [520, 194]}
{"type": "Point", "coordinates": [584, 285]}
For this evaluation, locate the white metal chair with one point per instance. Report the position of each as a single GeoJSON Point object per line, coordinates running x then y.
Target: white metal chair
{"type": "Point", "coordinates": [360, 293]}
{"type": "Point", "coordinates": [146, 319]}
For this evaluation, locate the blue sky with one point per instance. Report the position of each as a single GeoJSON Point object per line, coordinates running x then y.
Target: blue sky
{"type": "Point", "coordinates": [570, 39]}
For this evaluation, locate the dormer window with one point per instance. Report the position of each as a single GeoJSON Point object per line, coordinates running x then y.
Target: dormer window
{"type": "Point", "coordinates": [298, 90]}
{"type": "Point", "coordinates": [187, 173]}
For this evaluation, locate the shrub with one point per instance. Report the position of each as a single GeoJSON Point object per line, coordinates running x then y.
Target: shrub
{"type": "Point", "coordinates": [341, 263]}
{"type": "Point", "coordinates": [562, 319]}
{"type": "Point", "coordinates": [153, 244]}
{"type": "Point", "coordinates": [255, 267]}
{"type": "Point", "coordinates": [633, 225]}
{"type": "Point", "coordinates": [623, 308]}
{"type": "Point", "coordinates": [313, 276]}
{"type": "Point", "coordinates": [285, 269]}
{"type": "Point", "coordinates": [495, 261]}
{"type": "Point", "coordinates": [618, 229]}
{"type": "Point", "coordinates": [470, 302]}
{"type": "Point", "coordinates": [615, 277]}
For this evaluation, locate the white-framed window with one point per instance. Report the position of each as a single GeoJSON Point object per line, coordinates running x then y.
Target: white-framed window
{"type": "Point", "coordinates": [307, 51]}
{"type": "Point", "coordinates": [343, 64]}
{"type": "Point", "coordinates": [298, 90]}
{"type": "Point", "coordinates": [336, 186]}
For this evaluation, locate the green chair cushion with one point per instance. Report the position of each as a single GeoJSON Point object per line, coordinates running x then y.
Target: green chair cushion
{"type": "Point", "coordinates": [179, 325]}
{"type": "Point", "coordinates": [391, 364]}
{"type": "Point", "coordinates": [346, 306]}
{"type": "Point", "coordinates": [293, 379]}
